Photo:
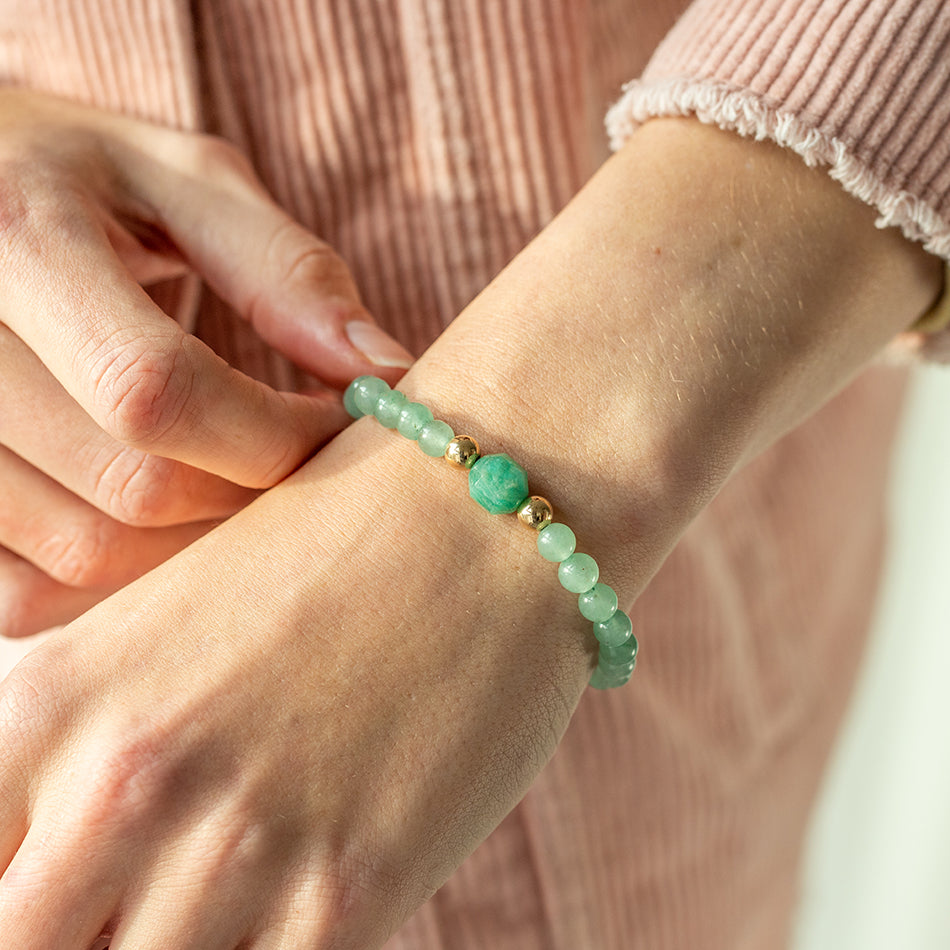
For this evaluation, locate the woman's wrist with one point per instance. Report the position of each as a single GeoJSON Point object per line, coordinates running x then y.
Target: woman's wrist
{"type": "Point", "coordinates": [699, 297]}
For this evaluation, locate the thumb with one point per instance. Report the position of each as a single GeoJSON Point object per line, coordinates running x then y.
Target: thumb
{"type": "Point", "coordinates": [292, 287]}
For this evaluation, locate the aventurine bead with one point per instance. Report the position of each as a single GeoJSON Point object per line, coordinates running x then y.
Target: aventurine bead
{"type": "Point", "coordinates": [412, 418]}
{"type": "Point", "coordinates": [615, 631]}
{"type": "Point", "coordinates": [349, 397]}
{"type": "Point", "coordinates": [498, 483]}
{"type": "Point", "coordinates": [598, 604]}
{"type": "Point", "coordinates": [434, 437]}
{"type": "Point", "coordinates": [367, 391]}
{"type": "Point", "coordinates": [389, 407]}
{"type": "Point", "coordinates": [556, 542]}
{"type": "Point", "coordinates": [609, 679]}
{"type": "Point", "coordinates": [599, 679]}
{"type": "Point", "coordinates": [578, 573]}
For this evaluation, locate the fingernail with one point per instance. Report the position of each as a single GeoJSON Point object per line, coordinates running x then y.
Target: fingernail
{"type": "Point", "coordinates": [377, 346]}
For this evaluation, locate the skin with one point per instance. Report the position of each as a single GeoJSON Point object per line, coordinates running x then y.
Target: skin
{"type": "Point", "coordinates": [145, 436]}
{"type": "Point", "coordinates": [290, 733]}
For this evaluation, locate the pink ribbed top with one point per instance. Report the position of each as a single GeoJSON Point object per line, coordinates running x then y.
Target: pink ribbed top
{"type": "Point", "coordinates": [428, 141]}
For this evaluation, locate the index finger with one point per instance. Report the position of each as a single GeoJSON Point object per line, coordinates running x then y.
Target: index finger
{"type": "Point", "coordinates": [134, 370]}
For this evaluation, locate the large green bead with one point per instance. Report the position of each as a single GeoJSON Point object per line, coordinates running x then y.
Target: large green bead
{"type": "Point", "coordinates": [498, 483]}
{"type": "Point", "coordinates": [578, 573]}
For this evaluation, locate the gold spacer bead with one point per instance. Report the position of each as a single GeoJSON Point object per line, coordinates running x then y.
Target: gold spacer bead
{"type": "Point", "coordinates": [462, 451]}
{"type": "Point", "coordinates": [536, 512]}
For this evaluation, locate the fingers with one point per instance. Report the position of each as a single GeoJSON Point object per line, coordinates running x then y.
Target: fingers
{"type": "Point", "coordinates": [70, 540]}
{"type": "Point", "coordinates": [134, 370]}
{"type": "Point", "coordinates": [296, 291]}
{"type": "Point", "coordinates": [31, 601]}
{"type": "Point", "coordinates": [62, 441]}
{"type": "Point", "coordinates": [183, 911]}
{"type": "Point", "coordinates": [55, 895]}
{"type": "Point", "coordinates": [158, 925]}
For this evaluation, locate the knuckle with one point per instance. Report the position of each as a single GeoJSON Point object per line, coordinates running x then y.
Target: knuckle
{"type": "Point", "coordinates": [293, 257]}
{"type": "Point", "coordinates": [36, 201]}
{"type": "Point", "coordinates": [215, 158]}
{"type": "Point", "coordinates": [310, 261]}
{"type": "Point", "coordinates": [340, 908]}
{"type": "Point", "coordinates": [80, 555]}
{"type": "Point", "coordinates": [130, 771]}
{"type": "Point", "coordinates": [127, 777]}
{"type": "Point", "coordinates": [30, 699]}
{"type": "Point", "coordinates": [142, 392]}
{"type": "Point", "coordinates": [17, 599]}
{"type": "Point", "coordinates": [135, 488]}
{"type": "Point", "coordinates": [16, 209]}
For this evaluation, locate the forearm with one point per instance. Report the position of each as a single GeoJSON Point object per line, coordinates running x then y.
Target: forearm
{"type": "Point", "coordinates": [699, 297]}
{"type": "Point", "coordinates": [702, 295]}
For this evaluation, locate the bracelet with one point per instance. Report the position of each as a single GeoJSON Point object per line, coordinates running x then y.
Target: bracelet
{"type": "Point", "coordinates": [500, 486]}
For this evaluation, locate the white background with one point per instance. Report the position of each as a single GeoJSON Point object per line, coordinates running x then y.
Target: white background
{"type": "Point", "coordinates": [878, 870]}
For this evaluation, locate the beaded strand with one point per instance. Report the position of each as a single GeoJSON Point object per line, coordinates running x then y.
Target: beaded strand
{"type": "Point", "coordinates": [500, 486]}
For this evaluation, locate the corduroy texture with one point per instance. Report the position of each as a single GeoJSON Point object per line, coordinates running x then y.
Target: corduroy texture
{"type": "Point", "coordinates": [428, 141]}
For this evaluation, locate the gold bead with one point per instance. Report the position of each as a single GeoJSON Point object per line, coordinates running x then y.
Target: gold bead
{"type": "Point", "coordinates": [462, 451]}
{"type": "Point", "coordinates": [536, 512]}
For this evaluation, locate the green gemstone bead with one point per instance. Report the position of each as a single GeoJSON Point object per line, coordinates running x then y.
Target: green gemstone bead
{"type": "Point", "coordinates": [498, 483]}
{"type": "Point", "coordinates": [556, 542]}
{"type": "Point", "coordinates": [599, 679]}
{"type": "Point", "coordinates": [615, 631]}
{"type": "Point", "coordinates": [367, 391]}
{"type": "Point", "coordinates": [389, 407]}
{"type": "Point", "coordinates": [434, 437]}
{"type": "Point", "coordinates": [598, 604]}
{"type": "Point", "coordinates": [412, 418]}
{"type": "Point", "coordinates": [621, 654]}
{"type": "Point", "coordinates": [617, 667]}
{"type": "Point", "coordinates": [578, 573]}
{"type": "Point", "coordinates": [349, 397]}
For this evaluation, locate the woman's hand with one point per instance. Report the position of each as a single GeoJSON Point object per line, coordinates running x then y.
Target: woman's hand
{"type": "Point", "coordinates": [289, 734]}
{"type": "Point", "coordinates": [121, 435]}
{"type": "Point", "coordinates": [366, 670]}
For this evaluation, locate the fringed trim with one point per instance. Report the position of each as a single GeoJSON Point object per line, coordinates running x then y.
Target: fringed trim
{"type": "Point", "coordinates": [749, 114]}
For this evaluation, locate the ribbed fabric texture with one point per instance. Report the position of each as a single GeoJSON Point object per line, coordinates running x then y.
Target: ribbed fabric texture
{"type": "Point", "coordinates": [404, 123]}
{"type": "Point", "coordinates": [428, 141]}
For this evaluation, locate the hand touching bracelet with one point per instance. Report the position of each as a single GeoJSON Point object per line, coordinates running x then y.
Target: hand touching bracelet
{"type": "Point", "coordinates": [500, 486]}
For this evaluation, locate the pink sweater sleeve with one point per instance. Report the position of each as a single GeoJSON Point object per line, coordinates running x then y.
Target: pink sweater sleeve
{"type": "Point", "coordinates": [861, 87]}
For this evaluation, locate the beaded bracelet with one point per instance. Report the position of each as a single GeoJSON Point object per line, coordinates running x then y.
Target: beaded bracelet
{"type": "Point", "coordinates": [500, 486]}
